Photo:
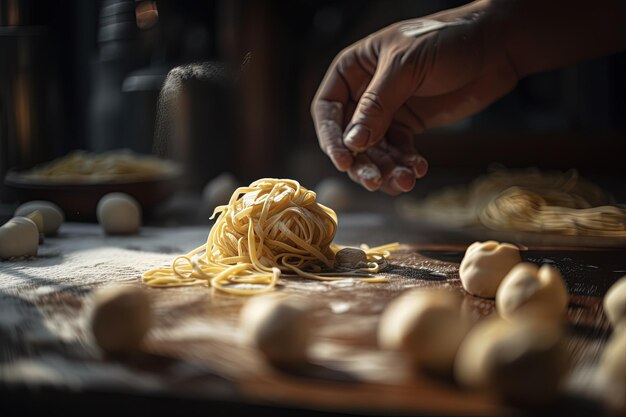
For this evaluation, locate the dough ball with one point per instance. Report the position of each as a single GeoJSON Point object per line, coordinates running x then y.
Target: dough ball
{"type": "Point", "coordinates": [120, 318]}
{"type": "Point", "coordinates": [528, 289]}
{"type": "Point", "coordinates": [52, 214]}
{"type": "Point", "coordinates": [19, 237]}
{"type": "Point", "coordinates": [612, 370]}
{"type": "Point", "coordinates": [615, 302]}
{"type": "Point", "coordinates": [426, 325]}
{"type": "Point", "coordinates": [522, 362]}
{"type": "Point", "coordinates": [485, 265]}
{"type": "Point", "coordinates": [278, 326]}
{"type": "Point", "coordinates": [350, 258]}
{"type": "Point", "coordinates": [119, 214]}
{"type": "Point", "coordinates": [334, 193]}
{"type": "Point", "coordinates": [218, 191]}
{"type": "Point", "coordinates": [37, 218]}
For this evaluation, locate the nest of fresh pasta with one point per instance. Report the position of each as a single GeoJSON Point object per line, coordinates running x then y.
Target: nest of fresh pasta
{"type": "Point", "coordinates": [270, 228]}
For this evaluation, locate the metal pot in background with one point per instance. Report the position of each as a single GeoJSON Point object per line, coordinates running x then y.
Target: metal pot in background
{"type": "Point", "coordinates": [141, 92]}
{"type": "Point", "coordinates": [195, 123]}
{"type": "Point", "coordinates": [30, 109]}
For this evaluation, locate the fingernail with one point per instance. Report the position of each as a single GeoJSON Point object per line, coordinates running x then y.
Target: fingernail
{"type": "Point", "coordinates": [421, 168]}
{"type": "Point", "coordinates": [402, 179]}
{"type": "Point", "coordinates": [370, 177]}
{"type": "Point", "coordinates": [369, 173]}
{"type": "Point", "coordinates": [357, 137]}
{"type": "Point", "coordinates": [396, 184]}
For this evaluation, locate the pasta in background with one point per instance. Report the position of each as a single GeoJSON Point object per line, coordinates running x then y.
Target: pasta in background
{"type": "Point", "coordinates": [118, 165]}
{"type": "Point", "coordinates": [525, 200]}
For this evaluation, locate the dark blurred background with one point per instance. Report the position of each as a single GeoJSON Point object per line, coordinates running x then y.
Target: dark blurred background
{"type": "Point", "coordinates": [77, 74]}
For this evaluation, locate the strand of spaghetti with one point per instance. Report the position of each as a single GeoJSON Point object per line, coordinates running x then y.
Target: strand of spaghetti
{"type": "Point", "coordinates": [175, 265]}
{"type": "Point", "coordinates": [273, 278]}
{"type": "Point", "coordinates": [334, 277]}
{"type": "Point", "coordinates": [385, 248]}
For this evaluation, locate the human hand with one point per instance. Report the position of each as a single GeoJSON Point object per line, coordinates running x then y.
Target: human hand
{"type": "Point", "coordinates": [384, 90]}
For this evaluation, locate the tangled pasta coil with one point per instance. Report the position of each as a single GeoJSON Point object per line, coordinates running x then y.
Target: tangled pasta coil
{"type": "Point", "coordinates": [271, 227]}
{"type": "Point", "coordinates": [526, 200]}
{"type": "Point", "coordinates": [117, 165]}
{"type": "Point", "coordinates": [528, 210]}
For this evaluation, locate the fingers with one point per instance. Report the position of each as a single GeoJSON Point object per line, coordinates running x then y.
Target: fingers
{"type": "Point", "coordinates": [369, 94]}
{"type": "Point", "coordinates": [328, 117]}
{"type": "Point", "coordinates": [402, 150]}
{"type": "Point", "coordinates": [400, 180]}
{"type": "Point", "coordinates": [396, 177]}
{"type": "Point", "coordinates": [344, 80]}
{"type": "Point", "coordinates": [438, 63]}
{"type": "Point", "coordinates": [366, 173]}
{"type": "Point", "coordinates": [376, 169]}
{"type": "Point", "coordinates": [386, 92]}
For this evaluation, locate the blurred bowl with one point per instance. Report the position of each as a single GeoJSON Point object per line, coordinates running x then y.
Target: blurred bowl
{"type": "Point", "coordinates": [79, 199]}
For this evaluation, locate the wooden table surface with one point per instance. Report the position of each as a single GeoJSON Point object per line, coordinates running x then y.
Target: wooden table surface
{"type": "Point", "coordinates": [193, 360]}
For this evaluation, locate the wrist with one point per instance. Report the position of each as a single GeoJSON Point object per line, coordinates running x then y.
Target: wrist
{"type": "Point", "coordinates": [540, 35]}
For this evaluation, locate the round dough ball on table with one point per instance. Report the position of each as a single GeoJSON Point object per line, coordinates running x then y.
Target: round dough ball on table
{"type": "Point", "coordinates": [120, 318]}
{"type": "Point", "coordinates": [19, 237]}
{"type": "Point", "coordinates": [119, 214]}
{"type": "Point", "coordinates": [529, 289]}
{"type": "Point", "coordinates": [278, 326]}
{"type": "Point", "coordinates": [334, 193]}
{"type": "Point", "coordinates": [612, 371]}
{"type": "Point", "coordinates": [426, 326]}
{"type": "Point", "coordinates": [218, 191]}
{"type": "Point", "coordinates": [52, 214]}
{"type": "Point", "coordinates": [485, 265]}
{"type": "Point", "coordinates": [37, 218]}
{"type": "Point", "coordinates": [522, 362]}
{"type": "Point", "coordinates": [615, 302]}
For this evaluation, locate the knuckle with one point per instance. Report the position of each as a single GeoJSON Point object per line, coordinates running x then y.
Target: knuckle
{"type": "Point", "coordinates": [371, 104]}
{"type": "Point", "coordinates": [314, 106]}
{"type": "Point", "coordinates": [344, 58]}
{"type": "Point", "coordinates": [345, 54]}
{"type": "Point", "coordinates": [329, 133]}
{"type": "Point", "coordinates": [326, 111]}
{"type": "Point", "coordinates": [333, 150]}
{"type": "Point", "coordinates": [318, 107]}
{"type": "Point", "coordinates": [421, 59]}
{"type": "Point", "coordinates": [396, 55]}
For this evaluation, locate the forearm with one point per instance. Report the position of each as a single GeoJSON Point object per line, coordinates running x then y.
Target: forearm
{"type": "Point", "coordinates": [539, 35]}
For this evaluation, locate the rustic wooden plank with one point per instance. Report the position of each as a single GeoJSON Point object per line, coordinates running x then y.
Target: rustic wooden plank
{"type": "Point", "coordinates": [194, 350]}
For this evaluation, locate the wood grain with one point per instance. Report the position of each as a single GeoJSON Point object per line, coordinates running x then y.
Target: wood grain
{"type": "Point", "coordinates": [194, 352]}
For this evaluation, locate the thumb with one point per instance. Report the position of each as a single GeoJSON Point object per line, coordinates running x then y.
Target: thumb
{"type": "Point", "coordinates": [385, 94]}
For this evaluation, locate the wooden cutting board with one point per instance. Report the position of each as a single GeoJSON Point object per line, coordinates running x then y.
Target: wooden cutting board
{"type": "Point", "coordinates": [193, 354]}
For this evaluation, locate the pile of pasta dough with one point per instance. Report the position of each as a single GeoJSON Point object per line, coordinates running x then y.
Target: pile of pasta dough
{"type": "Point", "coordinates": [525, 200]}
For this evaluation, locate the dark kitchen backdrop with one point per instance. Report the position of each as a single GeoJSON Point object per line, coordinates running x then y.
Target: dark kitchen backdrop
{"type": "Point", "coordinates": [80, 74]}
